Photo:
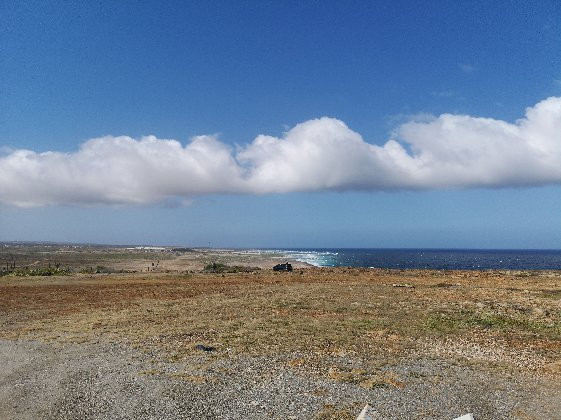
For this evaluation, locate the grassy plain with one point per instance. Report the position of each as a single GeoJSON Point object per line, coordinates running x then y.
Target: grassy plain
{"type": "Point", "coordinates": [497, 321]}
{"type": "Point", "coordinates": [310, 310]}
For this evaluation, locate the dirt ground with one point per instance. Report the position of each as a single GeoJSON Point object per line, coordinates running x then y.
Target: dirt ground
{"type": "Point", "coordinates": [346, 327]}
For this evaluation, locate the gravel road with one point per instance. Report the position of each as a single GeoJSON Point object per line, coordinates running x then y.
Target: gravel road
{"type": "Point", "coordinates": [113, 381]}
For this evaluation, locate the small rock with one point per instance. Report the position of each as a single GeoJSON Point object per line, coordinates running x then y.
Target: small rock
{"type": "Point", "coordinates": [202, 347]}
{"type": "Point", "coordinates": [537, 311]}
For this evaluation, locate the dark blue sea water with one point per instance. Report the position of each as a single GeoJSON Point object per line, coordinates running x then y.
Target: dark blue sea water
{"type": "Point", "coordinates": [437, 259]}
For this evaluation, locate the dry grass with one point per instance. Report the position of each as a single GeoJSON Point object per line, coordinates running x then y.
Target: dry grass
{"type": "Point", "coordinates": [316, 312]}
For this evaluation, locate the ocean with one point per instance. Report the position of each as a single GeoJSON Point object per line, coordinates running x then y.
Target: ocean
{"type": "Point", "coordinates": [435, 259]}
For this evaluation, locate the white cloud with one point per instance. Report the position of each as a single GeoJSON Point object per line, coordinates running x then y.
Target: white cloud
{"type": "Point", "coordinates": [119, 170]}
{"type": "Point", "coordinates": [448, 151]}
{"type": "Point", "coordinates": [466, 68]}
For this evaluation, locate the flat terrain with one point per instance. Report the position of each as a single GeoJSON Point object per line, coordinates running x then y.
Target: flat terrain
{"type": "Point", "coordinates": [178, 342]}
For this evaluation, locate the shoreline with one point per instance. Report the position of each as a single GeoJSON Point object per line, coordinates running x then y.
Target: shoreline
{"type": "Point", "coordinates": [173, 259]}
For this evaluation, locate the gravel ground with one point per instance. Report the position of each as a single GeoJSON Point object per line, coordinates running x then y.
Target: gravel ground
{"type": "Point", "coordinates": [113, 381]}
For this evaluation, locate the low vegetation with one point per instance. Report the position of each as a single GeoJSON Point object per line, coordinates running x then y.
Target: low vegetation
{"type": "Point", "coordinates": [215, 267]}
{"type": "Point", "coordinates": [27, 272]}
{"type": "Point", "coordinates": [462, 321]}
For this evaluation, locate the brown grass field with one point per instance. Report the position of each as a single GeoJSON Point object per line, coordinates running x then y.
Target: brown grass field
{"type": "Point", "coordinates": [315, 311]}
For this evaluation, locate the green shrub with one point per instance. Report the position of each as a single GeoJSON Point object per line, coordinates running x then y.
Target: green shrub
{"type": "Point", "coordinates": [49, 271]}
{"type": "Point", "coordinates": [215, 267]}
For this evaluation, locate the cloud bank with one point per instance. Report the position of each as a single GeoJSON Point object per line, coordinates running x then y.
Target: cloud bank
{"type": "Point", "coordinates": [448, 151]}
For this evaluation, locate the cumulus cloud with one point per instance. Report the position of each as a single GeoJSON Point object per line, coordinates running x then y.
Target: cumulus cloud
{"type": "Point", "coordinates": [448, 151]}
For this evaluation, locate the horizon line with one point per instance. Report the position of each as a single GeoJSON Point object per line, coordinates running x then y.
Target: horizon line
{"type": "Point", "coordinates": [265, 248]}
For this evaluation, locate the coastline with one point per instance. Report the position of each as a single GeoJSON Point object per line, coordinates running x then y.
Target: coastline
{"type": "Point", "coordinates": [136, 258]}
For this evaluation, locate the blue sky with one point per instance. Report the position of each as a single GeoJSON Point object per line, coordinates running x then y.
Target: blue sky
{"type": "Point", "coordinates": [423, 144]}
